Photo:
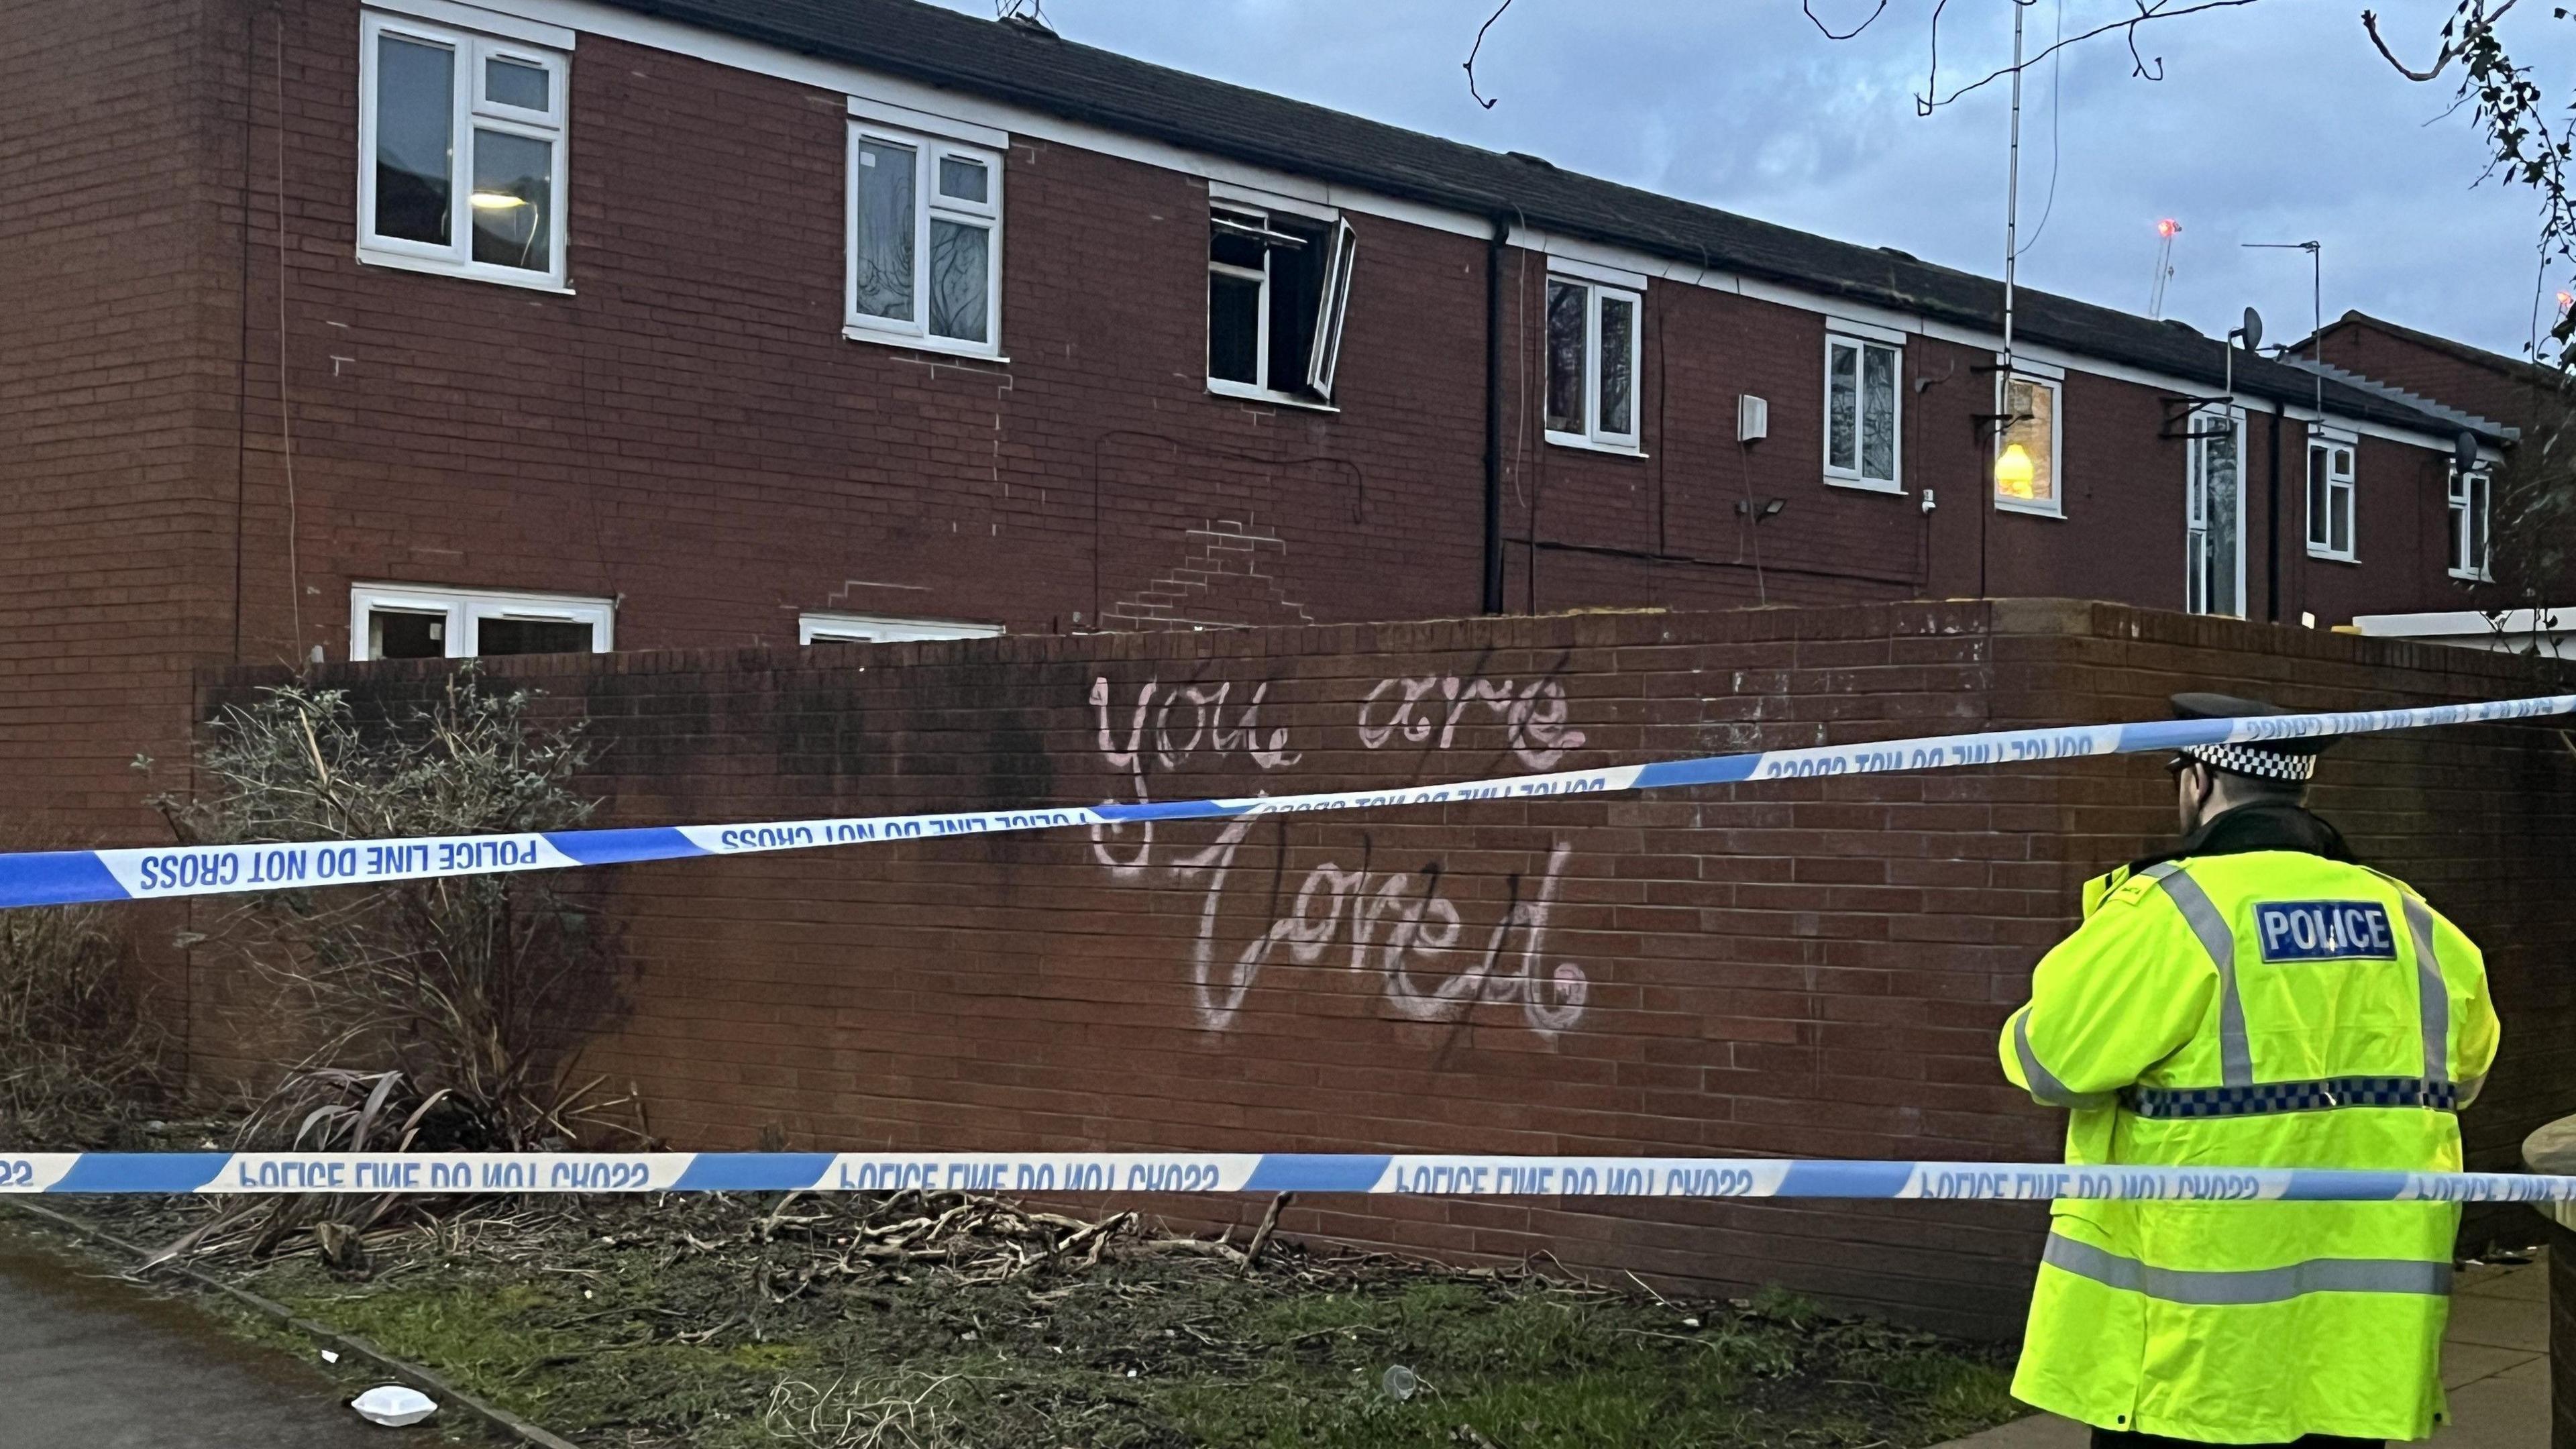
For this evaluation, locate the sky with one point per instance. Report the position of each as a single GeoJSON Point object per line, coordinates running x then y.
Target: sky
{"type": "Point", "coordinates": [2276, 121]}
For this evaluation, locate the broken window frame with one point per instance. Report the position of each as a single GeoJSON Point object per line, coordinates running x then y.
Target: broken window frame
{"type": "Point", "coordinates": [461, 614]}
{"type": "Point", "coordinates": [472, 112]}
{"type": "Point", "coordinates": [1330, 237]}
{"type": "Point", "coordinates": [1594, 434]}
{"type": "Point", "coordinates": [932, 207]}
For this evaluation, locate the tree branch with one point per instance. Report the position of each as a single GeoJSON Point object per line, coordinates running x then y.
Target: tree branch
{"type": "Point", "coordinates": [1478, 49]}
{"type": "Point", "coordinates": [1931, 100]}
{"type": "Point", "coordinates": [1810, 7]}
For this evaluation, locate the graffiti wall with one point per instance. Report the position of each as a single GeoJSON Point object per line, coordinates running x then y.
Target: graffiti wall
{"type": "Point", "coordinates": [1807, 967]}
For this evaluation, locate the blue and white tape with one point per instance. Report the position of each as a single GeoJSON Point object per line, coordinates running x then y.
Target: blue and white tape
{"type": "Point", "coordinates": [68, 877]}
{"type": "Point", "coordinates": [1232, 1172]}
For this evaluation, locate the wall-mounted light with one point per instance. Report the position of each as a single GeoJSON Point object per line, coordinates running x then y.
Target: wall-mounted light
{"type": "Point", "coordinates": [1769, 508]}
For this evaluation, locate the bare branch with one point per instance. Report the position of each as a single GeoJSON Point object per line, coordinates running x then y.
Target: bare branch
{"type": "Point", "coordinates": [1478, 49]}
{"type": "Point", "coordinates": [2148, 10]}
{"type": "Point", "coordinates": [2449, 52]}
{"type": "Point", "coordinates": [1810, 7]}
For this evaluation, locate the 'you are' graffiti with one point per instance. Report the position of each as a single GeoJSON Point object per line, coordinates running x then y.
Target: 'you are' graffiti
{"type": "Point", "coordinates": [1401, 927]}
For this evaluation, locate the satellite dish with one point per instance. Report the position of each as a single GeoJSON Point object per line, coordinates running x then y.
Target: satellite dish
{"type": "Point", "coordinates": [2464, 452]}
{"type": "Point", "coordinates": [2252, 331]}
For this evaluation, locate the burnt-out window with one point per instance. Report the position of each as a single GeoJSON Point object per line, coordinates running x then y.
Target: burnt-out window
{"type": "Point", "coordinates": [408, 621]}
{"type": "Point", "coordinates": [1279, 290]}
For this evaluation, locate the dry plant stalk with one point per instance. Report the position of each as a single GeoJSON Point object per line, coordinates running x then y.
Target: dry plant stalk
{"type": "Point", "coordinates": [80, 1057]}
{"type": "Point", "coordinates": [462, 998]}
{"type": "Point", "coordinates": [901, 1411]}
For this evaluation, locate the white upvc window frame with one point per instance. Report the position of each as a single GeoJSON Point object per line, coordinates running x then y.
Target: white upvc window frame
{"type": "Point", "coordinates": [2055, 504]}
{"type": "Point", "coordinates": [465, 610]}
{"type": "Point", "coordinates": [2201, 421]}
{"type": "Point", "coordinates": [472, 110]}
{"type": "Point", "coordinates": [1594, 436]}
{"type": "Point", "coordinates": [2331, 443]}
{"type": "Point", "coordinates": [2472, 525]}
{"type": "Point", "coordinates": [1324, 354]}
{"type": "Point", "coordinates": [1855, 475]}
{"type": "Point", "coordinates": [929, 205]}
{"type": "Point", "coordinates": [821, 626]}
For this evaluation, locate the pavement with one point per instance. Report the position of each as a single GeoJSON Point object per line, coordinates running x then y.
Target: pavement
{"type": "Point", "coordinates": [2495, 1365]}
{"type": "Point", "coordinates": [96, 1362]}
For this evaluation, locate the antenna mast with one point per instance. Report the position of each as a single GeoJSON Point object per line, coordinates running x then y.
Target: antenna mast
{"type": "Point", "coordinates": [2166, 231]}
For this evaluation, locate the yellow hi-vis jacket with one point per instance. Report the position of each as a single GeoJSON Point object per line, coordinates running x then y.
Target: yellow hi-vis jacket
{"type": "Point", "coordinates": [2267, 1009]}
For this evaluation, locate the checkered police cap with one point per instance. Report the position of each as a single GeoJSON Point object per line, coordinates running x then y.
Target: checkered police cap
{"type": "Point", "coordinates": [2288, 761]}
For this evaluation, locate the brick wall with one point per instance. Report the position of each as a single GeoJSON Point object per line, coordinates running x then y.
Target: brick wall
{"type": "Point", "coordinates": [1806, 968]}
{"type": "Point", "coordinates": [215, 419]}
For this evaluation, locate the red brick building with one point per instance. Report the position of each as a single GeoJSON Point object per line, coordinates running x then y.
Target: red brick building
{"type": "Point", "coordinates": [421, 328]}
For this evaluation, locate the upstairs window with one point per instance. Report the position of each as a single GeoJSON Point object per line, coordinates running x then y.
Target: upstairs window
{"type": "Point", "coordinates": [821, 628]}
{"type": "Point", "coordinates": [401, 621]}
{"type": "Point", "coordinates": [2214, 540]}
{"type": "Point", "coordinates": [1279, 290]}
{"type": "Point", "coordinates": [2470, 493]}
{"type": "Point", "coordinates": [925, 242]}
{"type": "Point", "coordinates": [462, 144]}
{"type": "Point", "coordinates": [1592, 357]}
{"type": "Point", "coordinates": [1861, 409]}
{"type": "Point", "coordinates": [2330, 497]}
{"type": "Point", "coordinates": [2026, 446]}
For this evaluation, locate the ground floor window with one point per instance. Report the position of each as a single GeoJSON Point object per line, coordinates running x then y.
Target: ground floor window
{"type": "Point", "coordinates": [405, 621]}
{"type": "Point", "coordinates": [878, 629]}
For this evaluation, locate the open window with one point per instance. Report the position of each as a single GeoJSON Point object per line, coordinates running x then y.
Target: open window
{"type": "Point", "coordinates": [1279, 290]}
{"type": "Point", "coordinates": [461, 140]}
{"type": "Point", "coordinates": [401, 621]}
{"type": "Point", "coordinates": [1593, 348]}
{"type": "Point", "coordinates": [2214, 505]}
{"type": "Point", "coordinates": [2330, 495]}
{"type": "Point", "coordinates": [824, 628]}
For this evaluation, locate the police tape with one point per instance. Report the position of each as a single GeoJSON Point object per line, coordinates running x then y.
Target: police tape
{"type": "Point", "coordinates": [69, 877]}
{"type": "Point", "coordinates": [1233, 1172]}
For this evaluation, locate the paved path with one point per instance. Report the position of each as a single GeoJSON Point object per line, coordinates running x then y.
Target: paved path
{"type": "Point", "coordinates": [2495, 1363]}
{"type": "Point", "coordinates": [87, 1360]}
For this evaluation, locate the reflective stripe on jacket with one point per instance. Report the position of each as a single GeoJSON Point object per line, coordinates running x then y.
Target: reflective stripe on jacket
{"type": "Point", "coordinates": [2265, 1009]}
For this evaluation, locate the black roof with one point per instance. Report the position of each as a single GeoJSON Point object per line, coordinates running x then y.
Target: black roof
{"type": "Point", "coordinates": [1029, 66]}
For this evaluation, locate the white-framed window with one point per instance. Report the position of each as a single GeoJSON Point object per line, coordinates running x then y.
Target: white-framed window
{"type": "Point", "coordinates": [1279, 292]}
{"type": "Point", "coordinates": [924, 247]}
{"type": "Point", "coordinates": [408, 621]}
{"type": "Point", "coordinates": [1594, 336]}
{"type": "Point", "coordinates": [2471, 495]}
{"type": "Point", "coordinates": [1864, 391]}
{"type": "Point", "coordinates": [826, 628]}
{"type": "Point", "coordinates": [2215, 503]}
{"type": "Point", "coordinates": [2029, 450]}
{"type": "Point", "coordinates": [2330, 494]}
{"type": "Point", "coordinates": [461, 153]}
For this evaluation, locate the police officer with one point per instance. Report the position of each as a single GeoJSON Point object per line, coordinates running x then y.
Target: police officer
{"type": "Point", "coordinates": [2251, 998]}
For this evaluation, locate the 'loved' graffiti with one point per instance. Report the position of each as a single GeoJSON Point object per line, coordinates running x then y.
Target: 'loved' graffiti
{"type": "Point", "coordinates": [1401, 927]}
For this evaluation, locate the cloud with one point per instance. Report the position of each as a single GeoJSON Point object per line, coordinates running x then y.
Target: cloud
{"type": "Point", "coordinates": [2275, 122]}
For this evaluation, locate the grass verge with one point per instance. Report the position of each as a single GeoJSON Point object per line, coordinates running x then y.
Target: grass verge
{"type": "Point", "coordinates": [941, 1322]}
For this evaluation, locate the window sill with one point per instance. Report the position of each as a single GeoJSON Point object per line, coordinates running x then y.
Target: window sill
{"type": "Point", "coordinates": [1245, 392]}
{"type": "Point", "coordinates": [498, 276]}
{"type": "Point", "coordinates": [906, 342]}
{"type": "Point", "coordinates": [1865, 485]}
{"type": "Point", "coordinates": [2034, 510]}
{"type": "Point", "coordinates": [2321, 556]}
{"type": "Point", "coordinates": [1593, 445]}
{"type": "Point", "coordinates": [2470, 578]}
